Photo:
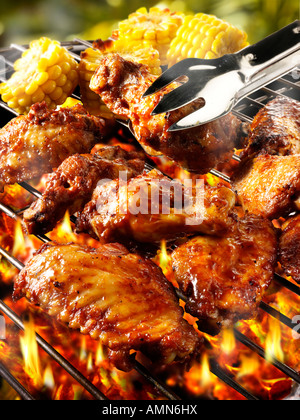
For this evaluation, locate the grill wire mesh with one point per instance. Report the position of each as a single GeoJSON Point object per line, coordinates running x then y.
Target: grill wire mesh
{"type": "Point", "coordinates": [288, 85]}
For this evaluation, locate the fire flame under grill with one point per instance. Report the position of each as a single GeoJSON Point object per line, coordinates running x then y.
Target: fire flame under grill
{"type": "Point", "coordinates": [289, 86]}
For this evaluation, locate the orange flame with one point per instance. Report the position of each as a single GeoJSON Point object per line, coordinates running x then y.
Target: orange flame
{"type": "Point", "coordinates": [249, 365]}
{"type": "Point", "coordinates": [228, 343]}
{"type": "Point", "coordinates": [273, 342]}
{"type": "Point", "coordinates": [30, 353]}
{"type": "Point", "coordinates": [64, 231]}
{"type": "Point", "coordinates": [164, 258]}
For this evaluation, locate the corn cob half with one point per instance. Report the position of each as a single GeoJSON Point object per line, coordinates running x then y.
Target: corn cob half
{"type": "Point", "coordinates": [205, 36]}
{"type": "Point", "coordinates": [45, 72]}
{"type": "Point", "coordinates": [155, 28]}
{"type": "Point", "coordinates": [91, 58]}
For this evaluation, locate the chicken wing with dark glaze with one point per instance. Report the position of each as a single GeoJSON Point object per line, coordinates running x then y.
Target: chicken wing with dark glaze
{"type": "Point", "coordinates": [151, 207]}
{"type": "Point", "coordinates": [275, 129]}
{"type": "Point", "coordinates": [35, 144]}
{"type": "Point", "coordinates": [117, 297]}
{"type": "Point", "coordinates": [289, 248]}
{"type": "Point", "coordinates": [269, 185]}
{"type": "Point", "coordinates": [225, 278]}
{"type": "Point", "coordinates": [121, 85]}
{"type": "Point", "coordinates": [71, 186]}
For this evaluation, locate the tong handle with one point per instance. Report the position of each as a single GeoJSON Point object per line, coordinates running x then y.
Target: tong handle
{"type": "Point", "coordinates": [273, 48]}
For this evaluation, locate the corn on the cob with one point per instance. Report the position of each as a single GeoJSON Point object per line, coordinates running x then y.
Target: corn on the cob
{"type": "Point", "coordinates": [45, 72]}
{"type": "Point", "coordinates": [91, 58]}
{"type": "Point", "coordinates": [155, 28]}
{"type": "Point", "coordinates": [205, 36]}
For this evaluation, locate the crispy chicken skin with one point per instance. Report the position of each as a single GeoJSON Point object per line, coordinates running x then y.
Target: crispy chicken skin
{"type": "Point", "coordinates": [289, 248]}
{"type": "Point", "coordinates": [117, 297]}
{"type": "Point", "coordinates": [128, 211]}
{"type": "Point", "coordinates": [275, 129]}
{"type": "Point", "coordinates": [35, 144]}
{"type": "Point", "coordinates": [121, 85]}
{"type": "Point", "coordinates": [225, 278]}
{"type": "Point", "coordinates": [269, 185]}
{"type": "Point", "coordinates": [71, 186]}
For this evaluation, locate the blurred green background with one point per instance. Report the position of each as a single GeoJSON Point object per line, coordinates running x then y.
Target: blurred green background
{"type": "Point", "coordinates": [22, 21]}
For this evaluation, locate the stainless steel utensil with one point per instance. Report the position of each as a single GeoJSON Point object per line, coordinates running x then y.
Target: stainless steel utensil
{"type": "Point", "coordinates": [225, 81]}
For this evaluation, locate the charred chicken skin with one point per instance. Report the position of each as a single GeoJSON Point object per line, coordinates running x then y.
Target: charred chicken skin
{"type": "Point", "coordinates": [135, 210]}
{"type": "Point", "coordinates": [35, 144]}
{"type": "Point", "coordinates": [117, 297]}
{"type": "Point", "coordinates": [225, 278]}
{"type": "Point", "coordinates": [121, 85]}
{"type": "Point", "coordinates": [269, 185]}
{"type": "Point", "coordinates": [289, 248]}
{"type": "Point", "coordinates": [71, 186]}
{"type": "Point", "coordinates": [275, 129]}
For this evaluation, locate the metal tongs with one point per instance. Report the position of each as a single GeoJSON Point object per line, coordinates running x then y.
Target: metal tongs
{"type": "Point", "coordinates": [225, 81]}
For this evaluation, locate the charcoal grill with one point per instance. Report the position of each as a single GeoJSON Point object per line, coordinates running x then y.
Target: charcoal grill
{"type": "Point", "coordinates": [288, 85]}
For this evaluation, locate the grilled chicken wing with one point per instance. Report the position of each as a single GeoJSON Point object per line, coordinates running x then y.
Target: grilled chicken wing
{"type": "Point", "coordinates": [269, 185]}
{"type": "Point", "coordinates": [225, 278]}
{"type": "Point", "coordinates": [71, 186]}
{"type": "Point", "coordinates": [151, 207]}
{"type": "Point", "coordinates": [37, 143]}
{"type": "Point", "coordinates": [121, 85]}
{"type": "Point", "coordinates": [275, 129]}
{"type": "Point", "coordinates": [289, 248]}
{"type": "Point", "coordinates": [117, 297]}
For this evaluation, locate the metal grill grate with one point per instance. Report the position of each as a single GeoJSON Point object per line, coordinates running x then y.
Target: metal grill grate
{"type": "Point", "coordinates": [289, 86]}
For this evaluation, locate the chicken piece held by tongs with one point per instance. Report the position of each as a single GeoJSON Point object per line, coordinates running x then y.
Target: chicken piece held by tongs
{"type": "Point", "coordinates": [121, 85]}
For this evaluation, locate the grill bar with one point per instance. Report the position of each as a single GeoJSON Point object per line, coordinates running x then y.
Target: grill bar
{"type": "Point", "coordinates": [259, 350]}
{"type": "Point", "coordinates": [12, 381]}
{"type": "Point", "coordinates": [216, 370]}
{"type": "Point", "coordinates": [277, 315]}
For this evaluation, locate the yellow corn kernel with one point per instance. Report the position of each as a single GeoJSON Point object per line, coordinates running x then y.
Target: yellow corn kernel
{"type": "Point", "coordinates": [157, 27]}
{"type": "Point", "coordinates": [66, 67]}
{"type": "Point", "coordinates": [13, 103]}
{"type": "Point", "coordinates": [42, 78]}
{"type": "Point", "coordinates": [31, 88]}
{"type": "Point", "coordinates": [136, 51]}
{"type": "Point", "coordinates": [6, 97]}
{"type": "Point", "coordinates": [49, 87]}
{"type": "Point", "coordinates": [205, 36]}
{"type": "Point", "coordinates": [42, 65]}
{"type": "Point", "coordinates": [25, 101]}
{"type": "Point", "coordinates": [67, 86]}
{"type": "Point", "coordinates": [62, 80]}
{"type": "Point", "coordinates": [45, 72]}
{"type": "Point", "coordinates": [54, 72]}
{"type": "Point", "coordinates": [56, 94]}
{"type": "Point", "coordinates": [38, 96]}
